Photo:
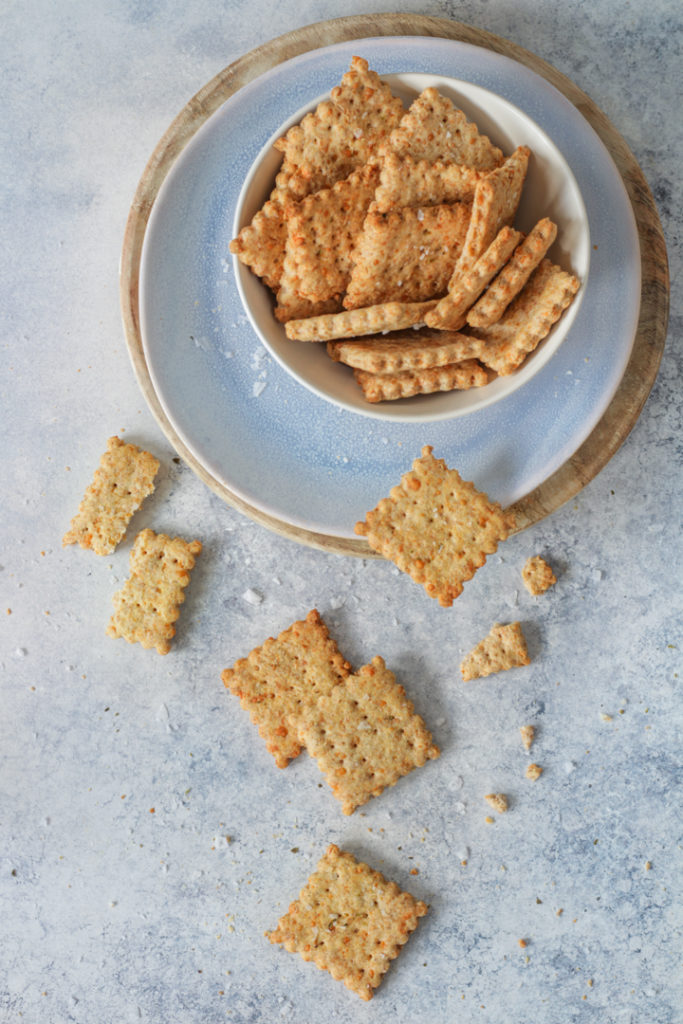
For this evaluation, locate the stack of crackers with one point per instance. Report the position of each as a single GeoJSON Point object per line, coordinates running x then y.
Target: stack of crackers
{"type": "Point", "coordinates": [389, 236]}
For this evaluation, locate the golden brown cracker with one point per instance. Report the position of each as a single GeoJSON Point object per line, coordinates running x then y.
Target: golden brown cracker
{"type": "Point", "coordinates": [260, 245]}
{"type": "Point", "coordinates": [148, 605]}
{"type": "Point", "coordinates": [450, 313]}
{"type": "Point", "coordinates": [404, 181]}
{"type": "Point", "coordinates": [514, 275]}
{"type": "Point", "coordinates": [386, 387]}
{"type": "Point", "coordinates": [436, 527]}
{"type": "Point", "coordinates": [498, 801]}
{"type": "Point", "coordinates": [533, 772]}
{"type": "Point", "coordinates": [365, 735]}
{"type": "Point", "coordinates": [387, 316]}
{"type": "Point", "coordinates": [120, 484]}
{"type": "Point", "coordinates": [537, 575]}
{"type": "Point", "coordinates": [281, 680]}
{"type": "Point", "coordinates": [405, 350]}
{"type": "Point", "coordinates": [349, 920]}
{"type": "Point", "coordinates": [504, 647]}
{"type": "Point", "coordinates": [406, 255]}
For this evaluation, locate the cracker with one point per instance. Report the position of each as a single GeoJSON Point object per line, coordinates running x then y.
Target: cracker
{"type": "Point", "coordinates": [537, 575]}
{"type": "Point", "coordinates": [404, 181]}
{"type": "Point", "coordinates": [436, 527]}
{"type": "Point", "coordinates": [528, 733]}
{"type": "Point", "coordinates": [503, 648]}
{"type": "Point", "coordinates": [280, 681]}
{"type": "Point", "coordinates": [349, 920]}
{"type": "Point", "coordinates": [496, 199]}
{"type": "Point", "coordinates": [386, 316]}
{"type": "Point", "coordinates": [386, 387]}
{"type": "Point", "coordinates": [365, 736]}
{"type": "Point", "coordinates": [528, 319]}
{"type": "Point", "coordinates": [148, 605]}
{"type": "Point", "coordinates": [407, 255]}
{"type": "Point", "coordinates": [120, 484]}
{"type": "Point", "coordinates": [450, 312]}
{"type": "Point", "coordinates": [498, 801]}
{"type": "Point", "coordinates": [533, 772]}
{"type": "Point", "coordinates": [514, 275]}
{"type": "Point", "coordinates": [260, 245]}
{"type": "Point", "coordinates": [434, 129]}
{"type": "Point", "coordinates": [405, 350]}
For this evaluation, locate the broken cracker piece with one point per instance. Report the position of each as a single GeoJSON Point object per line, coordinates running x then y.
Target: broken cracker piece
{"type": "Point", "coordinates": [352, 323]}
{"type": "Point", "coordinates": [436, 527]}
{"type": "Point", "coordinates": [260, 245]}
{"type": "Point", "coordinates": [503, 648]}
{"type": "Point", "coordinates": [121, 482]}
{"type": "Point", "coordinates": [498, 801]}
{"type": "Point", "coordinates": [148, 605]}
{"type": "Point", "coordinates": [349, 920]}
{"type": "Point", "coordinates": [527, 732]}
{"type": "Point", "coordinates": [365, 735]}
{"type": "Point", "coordinates": [387, 387]}
{"type": "Point", "coordinates": [280, 682]}
{"type": "Point", "coordinates": [533, 772]}
{"type": "Point", "coordinates": [537, 575]}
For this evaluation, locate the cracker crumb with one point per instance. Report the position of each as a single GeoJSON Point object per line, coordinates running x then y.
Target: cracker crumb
{"type": "Point", "coordinates": [498, 801]}
{"type": "Point", "coordinates": [523, 943]}
{"type": "Point", "coordinates": [533, 772]}
{"type": "Point", "coordinates": [528, 734]}
{"type": "Point", "coordinates": [537, 575]}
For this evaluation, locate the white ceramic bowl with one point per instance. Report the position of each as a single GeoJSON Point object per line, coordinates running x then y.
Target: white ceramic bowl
{"type": "Point", "coordinates": [550, 190]}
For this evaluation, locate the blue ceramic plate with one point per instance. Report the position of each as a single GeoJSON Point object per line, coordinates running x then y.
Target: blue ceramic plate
{"type": "Point", "coordinates": [293, 454]}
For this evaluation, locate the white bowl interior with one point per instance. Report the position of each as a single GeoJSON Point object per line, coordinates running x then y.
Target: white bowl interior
{"type": "Point", "coordinates": [550, 190]}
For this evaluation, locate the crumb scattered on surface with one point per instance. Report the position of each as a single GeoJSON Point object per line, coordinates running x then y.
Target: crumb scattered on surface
{"type": "Point", "coordinates": [528, 734]}
{"type": "Point", "coordinates": [533, 772]}
{"type": "Point", "coordinates": [498, 801]}
{"type": "Point", "coordinates": [537, 575]}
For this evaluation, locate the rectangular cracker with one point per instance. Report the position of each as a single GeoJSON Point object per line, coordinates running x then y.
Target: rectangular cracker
{"type": "Point", "coordinates": [120, 484]}
{"type": "Point", "coordinates": [405, 350]}
{"type": "Point", "coordinates": [433, 129]}
{"type": "Point", "coordinates": [148, 605]}
{"type": "Point", "coordinates": [528, 319]}
{"type": "Point", "coordinates": [386, 316]}
{"type": "Point", "coordinates": [365, 736]}
{"type": "Point", "coordinates": [386, 387]}
{"type": "Point", "coordinates": [404, 181]}
{"type": "Point", "coordinates": [450, 312]}
{"type": "Point", "coordinates": [407, 255]}
{"type": "Point", "coordinates": [349, 920]}
{"type": "Point", "coordinates": [504, 647]}
{"type": "Point", "coordinates": [514, 275]}
{"type": "Point", "coordinates": [436, 527]}
{"type": "Point", "coordinates": [280, 682]}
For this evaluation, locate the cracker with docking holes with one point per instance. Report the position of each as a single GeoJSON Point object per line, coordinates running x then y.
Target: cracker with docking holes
{"type": "Point", "coordinates": [148, 605]}
{"type": "Point", "coordinates": [387, 387]}
{"type": "Point", "coordinates": [280, 682]}
{"type": "Point", "coordinates": [451, 312]}
{"type": "Point", "coordinates": [514, 275]}
{"type": "Point", "coordinates": [537, 575]}
{"type": "Point", "coordinates": [349, 920]}
{"type": "Point", "coordinates": [365, 735]}
{"type": "Point", "coordinates": [436, 527]}
{"type": "Point", "coordinates": [260, 245]}
{"type": "Point", "coordinates": [120, 484]}
{"type": "Point", "coordinates": [434, 129]}
{"type": "Point", "coordinates": [503, 648]}
{"type": "Point", "coordinates": [528, 319]}
{"type": "Point", "coordinates": [354, 323]}
{"type": "Point", "coordinates": [405, 350]}
{"type": "Point", "coordinates": [407, 254]}
{"type": "Point", "coordinates": [404, 181]}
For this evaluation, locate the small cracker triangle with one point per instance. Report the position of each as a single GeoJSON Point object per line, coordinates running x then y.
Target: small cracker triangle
{"type": "Point", "coordinates": [503, 648]}
{"type": "Point", "coordinates": [436, 527]}
{"type": "Point", "coordinates": [386, 387]}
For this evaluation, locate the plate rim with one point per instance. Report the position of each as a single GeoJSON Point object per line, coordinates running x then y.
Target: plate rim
{"type": "Point", "coordinates": [636, 383]}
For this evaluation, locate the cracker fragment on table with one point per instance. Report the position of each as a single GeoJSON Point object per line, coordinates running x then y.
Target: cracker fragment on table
{"type": "Point", "coordinates": [387, 387]}
{"type": "Point", "coordinates": [148, 605]}
{"type": "Point", "coordinates": [352, 323]}
{"type": "Point", "coordinates": [405, 350]}
{"type": "Point", "coordinates": [504, 647]}
{"type": "Point", "coordinates": [533, 772]}
{"type": "Point", "coordinates": [498, 801]}
{"type": "Point", "coordinates": [121, 482]}
{"type": "Point", "coordinates": [434, 129]}
{"type": "Point", "coordinates": [537, 575]}
{"type": "Point", "coordinates": [279, 682]}
{"type": "Point", "coordinates": [528, 733]}
{"type": "Point", "coordinates": [405, 181]}
{"type": "Point", "coordinates": [365, 735]}
{"type": "Point", "coordinates": [436, 527]}
{"type": "Point", "coordinates": [349, 920]}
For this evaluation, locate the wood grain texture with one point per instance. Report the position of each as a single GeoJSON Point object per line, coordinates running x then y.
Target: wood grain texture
{"type": "Point", "coordinates": [640, 374]}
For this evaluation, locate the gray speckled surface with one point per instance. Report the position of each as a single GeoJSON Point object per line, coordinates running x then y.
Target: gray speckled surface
{"type": "Point", "coordinates": [113, 913]}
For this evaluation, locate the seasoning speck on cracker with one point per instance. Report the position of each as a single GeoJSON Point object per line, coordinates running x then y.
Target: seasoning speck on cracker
{"type": "Point", "coordinates": [503, 648]}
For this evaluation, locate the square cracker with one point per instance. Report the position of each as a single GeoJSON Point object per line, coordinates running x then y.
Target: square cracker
{"type": "Point", "coordinates": [434, 129]}
{"type": "Point", "coordinates": [528, 318]}
{"type": "Point", "coordinates": [148, 605]}
{"type": "Point", "coordinates": [365, 735]}
{"type": "Point", "coordinates": [280, 681]}
{"type": "Point", "coordinates": [405, 350]}
{"type": "Point", "coordinates": [352, 323]}
{"type": "Point", "coordinates": [450, 312]}
{"type": "Point", "coordinates": [121, 482]}
{"type": "Point", "coordinates": [503, 648]}
{"type": "Point", "coordinates": [436, 527]}
{"type": "Point", "coordinates": [404, 181]}
{"type": "Point", "coordinates": [386, 387]}
{"type": "Point", "coordinates": [349, 920]}
{"type": "Point", "coordinates": [407, 255]}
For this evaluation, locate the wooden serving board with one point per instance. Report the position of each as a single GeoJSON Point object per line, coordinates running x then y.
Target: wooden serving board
{"type": "Point", "coordinates": [640, 374]}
